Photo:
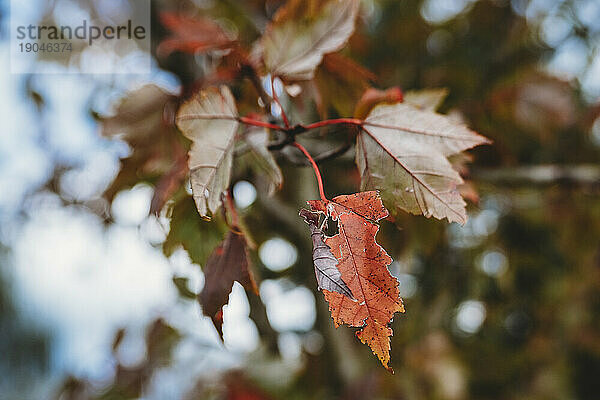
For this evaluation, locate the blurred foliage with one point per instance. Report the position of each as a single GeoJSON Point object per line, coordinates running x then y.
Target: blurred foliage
{"type": "Point", "coordinates": [540, 338]}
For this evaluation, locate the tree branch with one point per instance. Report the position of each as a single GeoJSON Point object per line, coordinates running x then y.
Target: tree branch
{"type": "Point", "coordinates": [584, 174]}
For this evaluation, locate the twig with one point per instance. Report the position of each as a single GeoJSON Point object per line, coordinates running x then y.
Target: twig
{"type": "Point", "coordinates": [317, 172]}
{"type": "Point", "coordinates": [325, 156]}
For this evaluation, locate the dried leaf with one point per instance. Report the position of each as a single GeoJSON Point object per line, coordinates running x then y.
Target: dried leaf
{"type": "Point", "coordinates": [403, 151]}
{"type": "Point", "coordinates": [328, 276]}
{"type": "Point", "coordinates": [192, 35]}
{"type": "Point", "coordinates": [302, 32]}
{"type": "Point", "coordinates": [363, 265]}
{"type": "Point", "coordinates": [228, 263]}
{"type": "Point", "coordinates": [262, 159]}
{"type": "Point", "coordinates": [211, 153]}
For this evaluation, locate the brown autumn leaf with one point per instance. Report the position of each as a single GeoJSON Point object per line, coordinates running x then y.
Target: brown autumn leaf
{"type": "Point", "coordinates": [363, 265]}
{"type": "Point", "coordinates": [403, 151]}
{"type": "Point", "coordinates": [142, 119]}
{"type": "Point", "coordinates": [328, 275]}
{"type": "Point", "coordinates": [228, 263]}
{"type": "Point", "coordinates": [192, 35]}
{"type": "Point", "coordinates": [302, 32]}
{"type": "Point", "coordinates": [209, 120]}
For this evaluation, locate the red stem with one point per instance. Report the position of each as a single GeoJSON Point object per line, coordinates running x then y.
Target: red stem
{"type": "Point", "coordinates": [276, 99]}
{"type": "Point", "coordinates": [352, 121]}
{"type": "Point", "coordinates": [251, 121]}
{"type": "Point", "coordinates": [317, 172]}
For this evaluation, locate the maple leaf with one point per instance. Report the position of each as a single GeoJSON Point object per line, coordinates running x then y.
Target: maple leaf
{"type": "Point", "coordinates": [363, 265]}
{"type": "Point", "coordinates": [302, 32]}
{"type": "Point", "coordinates": [211, 153]}
{"type": "Point", "coordinates": [227, 263]}
{"type": "Point", "coordinates": [192, 35]}
{"type": "Point", "coordinates": [328, 276]}
{"type": "Point", "coordinates": [402, 150]}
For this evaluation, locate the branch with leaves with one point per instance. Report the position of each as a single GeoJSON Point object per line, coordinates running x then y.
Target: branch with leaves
{"type": "Point", "coordinates": [404, 155]}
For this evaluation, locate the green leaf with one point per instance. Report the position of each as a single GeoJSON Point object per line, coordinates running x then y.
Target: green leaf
{"type": "Point", "coordinates": [403, 152]}
{"type": "Point", "coordinates": [198, 237]}
{"type": "Point", "coordinates": [209, 120]}
{"type": "Point", "coordinates": [302, 32]}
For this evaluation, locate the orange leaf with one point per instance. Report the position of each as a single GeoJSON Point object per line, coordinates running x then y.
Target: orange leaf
{"type": "Point", "coordinates": [363, 264]}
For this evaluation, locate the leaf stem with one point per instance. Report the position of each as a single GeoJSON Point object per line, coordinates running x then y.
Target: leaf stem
{"type": "Point", "coordinates": [351, 121]}
{"type": "Point", "coordinates": [314, 165]}
{"type": "Point", "coordinates": [276, 99]}
{"type": "Point", "coordinates": [254, 122]}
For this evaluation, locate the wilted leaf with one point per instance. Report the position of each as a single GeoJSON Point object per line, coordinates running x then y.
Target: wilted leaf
{"type": "Point", "coordinates": [363, 264]}
{"type": "Point", "coordinates": [328, 276]}
{"type": "Point", "coordinates": [262, 159]}
{"type": "Point", "coordinates": [211, 153]}
{"type": "Point", "coordinates": [228, 263]}
{"type": "Point", "coordinates": [302, 32]}
{"type": "Point", "coordinates": [403, 152]}
{"type": "Point", "coordinates": [192, 35]}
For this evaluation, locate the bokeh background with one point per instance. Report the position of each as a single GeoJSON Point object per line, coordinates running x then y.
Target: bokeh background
{"type": "Point", "coordinates": [505, 307]}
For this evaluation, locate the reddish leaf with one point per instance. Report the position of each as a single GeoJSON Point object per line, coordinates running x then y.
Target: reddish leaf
{"type": "Point", "coordinates": [191, 35]}
{"type": "Point", "coordinates": [302, 32]}
{"type": "Point", "coordinates": [227, 263]}
{"type": "Point", "coordinates": [403, 151]}
{"type": "Point", "coordinates": [363, 264]}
